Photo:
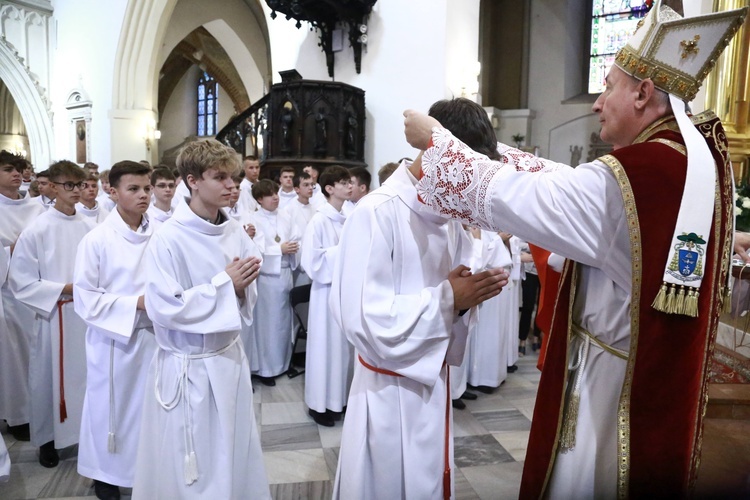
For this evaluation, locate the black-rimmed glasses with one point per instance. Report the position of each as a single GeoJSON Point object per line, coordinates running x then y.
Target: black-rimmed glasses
{"type": "Point", "coordinates": [69, 186]}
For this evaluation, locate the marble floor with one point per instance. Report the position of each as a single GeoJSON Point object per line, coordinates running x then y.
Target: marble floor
{"type": "Point", "coordinates": [300, 456]}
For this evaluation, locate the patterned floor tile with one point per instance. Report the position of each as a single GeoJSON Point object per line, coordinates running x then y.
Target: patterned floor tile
{"type": "Point", "coordinates": [470, 451]}
{"type": "Point", "coordinates": [503, 420]}
{"type": "Point", "coordinates": [312, 490]}
{"type": "Point", "coordinates": [296, 466]}
{"type": "Point", "coordinates": [514, 443]}
{"type": "Point", "coordinates": [289, 437]}
{"type": "Point", "coordinates": [495, 482]}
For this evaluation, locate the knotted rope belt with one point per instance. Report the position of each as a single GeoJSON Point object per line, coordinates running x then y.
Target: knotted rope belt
{"type": "Point", "coordinates": [63, 407]}
{"type": "Point", "coordinates": [446, 445]}
{"type": "Point", "coordinates": [182, 393]}
{"type": "Point", "coordinates": [568, 434]}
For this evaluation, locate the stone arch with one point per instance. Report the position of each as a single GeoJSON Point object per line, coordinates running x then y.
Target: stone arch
{"type": "Point", "coordinates": [32, 105]}
{"type": "Point", "coordinates": [137, 65]}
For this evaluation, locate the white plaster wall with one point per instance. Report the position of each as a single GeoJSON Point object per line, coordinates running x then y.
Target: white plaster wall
{"type": "Point", "coordinates": [87, 36]}
{"type": "Point", "coordinates": [462, 49]}
{"type": "Point", "coordinates": [225, 111]}
{"type": "Point", "coordinates": [404, 66]}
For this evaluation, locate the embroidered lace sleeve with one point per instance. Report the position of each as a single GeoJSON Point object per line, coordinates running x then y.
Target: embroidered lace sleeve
{"type": "Point", "coordinates": [457, 181]}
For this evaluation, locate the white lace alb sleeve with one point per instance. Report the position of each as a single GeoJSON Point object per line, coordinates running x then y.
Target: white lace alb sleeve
{"type": "Point", "coordinates": [456, 179]}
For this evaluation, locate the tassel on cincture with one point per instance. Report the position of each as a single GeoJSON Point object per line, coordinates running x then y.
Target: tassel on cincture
{"type": "Point", "coordinates": [111, 443]}
{"type": "Point", "coordinates": [191, 468]}
{"type": "Point", "coordinates": [568, 433]}
{"type": "Point", "coordinates": [63, 411]}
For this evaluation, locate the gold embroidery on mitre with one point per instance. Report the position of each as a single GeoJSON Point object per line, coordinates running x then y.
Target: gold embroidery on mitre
{"type": "Point", "coordinates": [690, 47]}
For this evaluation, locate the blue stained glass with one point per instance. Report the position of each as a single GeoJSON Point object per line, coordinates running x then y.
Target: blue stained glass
{"type": "Point", "coordinates": [612, 24]}
{"type": "Point", "coordinates": [201, 128]}
{"type": "Point", "coordinates": [201, 92]}
{"type": "Point", "coordinates": [210, 124]}
{"type": "Point", "coordinates": [202, 107]}
{"type": "Point", "coordinates": [210, 107]}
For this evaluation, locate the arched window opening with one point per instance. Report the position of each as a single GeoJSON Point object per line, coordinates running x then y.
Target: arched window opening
{"type": "Point", "coordinates": [208, 91]}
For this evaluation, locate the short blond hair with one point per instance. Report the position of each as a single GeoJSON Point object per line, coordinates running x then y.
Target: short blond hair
{"type": "Point", "coordinates": [199, 156]}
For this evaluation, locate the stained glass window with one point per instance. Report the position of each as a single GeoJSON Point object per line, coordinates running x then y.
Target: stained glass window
{"type": "Point", "coordinates": [612, 23]}
{"type": "Point", "coordinates": [208, 91]}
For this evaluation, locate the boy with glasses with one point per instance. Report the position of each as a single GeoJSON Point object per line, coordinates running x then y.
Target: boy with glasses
{"type": "Point", "coordinates": [41, 276]}
{"type": "Point", "coordinates": [164, 185]}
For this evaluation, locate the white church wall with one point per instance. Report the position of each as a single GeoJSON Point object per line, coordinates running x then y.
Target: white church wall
{"type": "Point", "coordinates": [225, 109]}
{"type": "Point", "coordinates": [404, 65]}
{"type": "Point", "coordinates": [87, 38]}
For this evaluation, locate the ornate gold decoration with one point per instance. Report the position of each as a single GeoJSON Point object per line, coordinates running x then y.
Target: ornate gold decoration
{"type": "Point", "coordinates": [623, 412]}
{"type": "Point", "coordinates": [690, 47]}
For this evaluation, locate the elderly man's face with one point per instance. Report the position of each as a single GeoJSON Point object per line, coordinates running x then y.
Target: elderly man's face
{"type": "Point", "coordinates": [616, 109]}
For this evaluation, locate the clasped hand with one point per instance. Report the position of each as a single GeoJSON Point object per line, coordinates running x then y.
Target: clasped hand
{"type": "Point", "coordinates": [243, 272]}
{"type": "Point", "coordinates": [470, 289]}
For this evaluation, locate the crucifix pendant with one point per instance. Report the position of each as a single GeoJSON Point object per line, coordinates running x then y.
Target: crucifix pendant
{"type": "Point", "coordinates": [277, 239]}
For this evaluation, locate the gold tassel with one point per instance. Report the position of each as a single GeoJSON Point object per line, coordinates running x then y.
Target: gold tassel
{"type": "Point", "coordinates": [691, 303]}
{"type": "Point", "coordinates": [670, 300]}
{"type": "Point", "coordinates": [568, 434]}
{"type": "Point", "coordinates": [660, 302]}
{"type": "Point", "coordinates": [679, 302]}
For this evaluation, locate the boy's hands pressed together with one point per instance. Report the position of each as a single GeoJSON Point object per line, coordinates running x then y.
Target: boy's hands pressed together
{"type": "Point", "coordinates": [289, 247]}
{"type": "Point", "coordinates": [243, 272]}
{"type": "Point", "coordinates": [470, 290]}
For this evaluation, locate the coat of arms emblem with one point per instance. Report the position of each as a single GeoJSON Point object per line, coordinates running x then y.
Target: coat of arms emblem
{"type": "Point", "coordinates": [687, 260]}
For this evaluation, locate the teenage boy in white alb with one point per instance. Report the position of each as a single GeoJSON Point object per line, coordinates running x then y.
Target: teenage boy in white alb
{"type": "Point", "coordinates": [361, 179]}
{"type": "Point", "coordinates": [251, 167]}
{"type": "Point", "coordinates": [287, 194]}
{"type": "Point", "coordinates": [198, 437]}
{"type": "Point", "coordinates": [279, 242]}
{"type": "Point", "coordinates": [163, 188]}
{"type": "Point", "coordinates": [399, 294]}
{"type": "Point", "coordinates": [17, 213]}
{"type": "Point", "coordinates": [329, 359]}
{"type": "Point", "coordinates": [41, 276]}
{"type": "Point", "coordinates": [88, 205]}
{"type": "Point", "coordinates": [108, 287]}
{"type": "Point", "coordinates": [46, 196]}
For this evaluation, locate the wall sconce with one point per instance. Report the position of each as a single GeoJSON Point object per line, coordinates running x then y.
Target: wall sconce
{"type": "Point", "coordinates": [150, 133]}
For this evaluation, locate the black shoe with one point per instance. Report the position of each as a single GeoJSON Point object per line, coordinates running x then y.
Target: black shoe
{"type": "Point", "coordinates": [106, 491]}
{"type": "Point", "coordinates": [458, 404]}
{"type": "Point", "coordinates": [512, 369]}
{"type": "Point", "coordinates": [486, 389]}
{"type": "Point", "coordinates": [522, 350]}
{"type": "Point", "coordinates": [336, 415]}
{"type": "Point", "coordinates": [48, 456]}
{"type": "Point", "coordinates": [269, 381]}
{"type": "Point", "coordinates": [324, 419]}
{"type": "Point", "coordinates": [20, 432]}
{"type": "Point", "coordinates": [469, 396]}
{"type": "Point", "coordinates": [535, 346]}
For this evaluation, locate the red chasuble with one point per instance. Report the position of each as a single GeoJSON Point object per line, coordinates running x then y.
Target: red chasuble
{"type": "Point", "coordinates": [664, 394]}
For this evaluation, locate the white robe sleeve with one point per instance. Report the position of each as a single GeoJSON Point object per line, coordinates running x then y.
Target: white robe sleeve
{"type": "Point", "coordinates": [202, 309]}
{"type": "Point", "coordinates": [406, 333]}
{"type": "Point", "coordinates": [576, 213]}
{"type": "Point", "coordinates": [113, 315]}
{"type": "Point", "coordinates": [318, 258]}
{"type": "Point", "coordinates": [251, 291]}
{"type": "Point", "coordinates": [25, 279]}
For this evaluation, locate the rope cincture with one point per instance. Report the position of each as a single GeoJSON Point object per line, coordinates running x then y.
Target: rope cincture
{"type": "Point", "coordinates": [182, 393]}
{"type": "Point", "coordinates": [63, 406]}
{"type": "Point", "coordinates": [570, 418]}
